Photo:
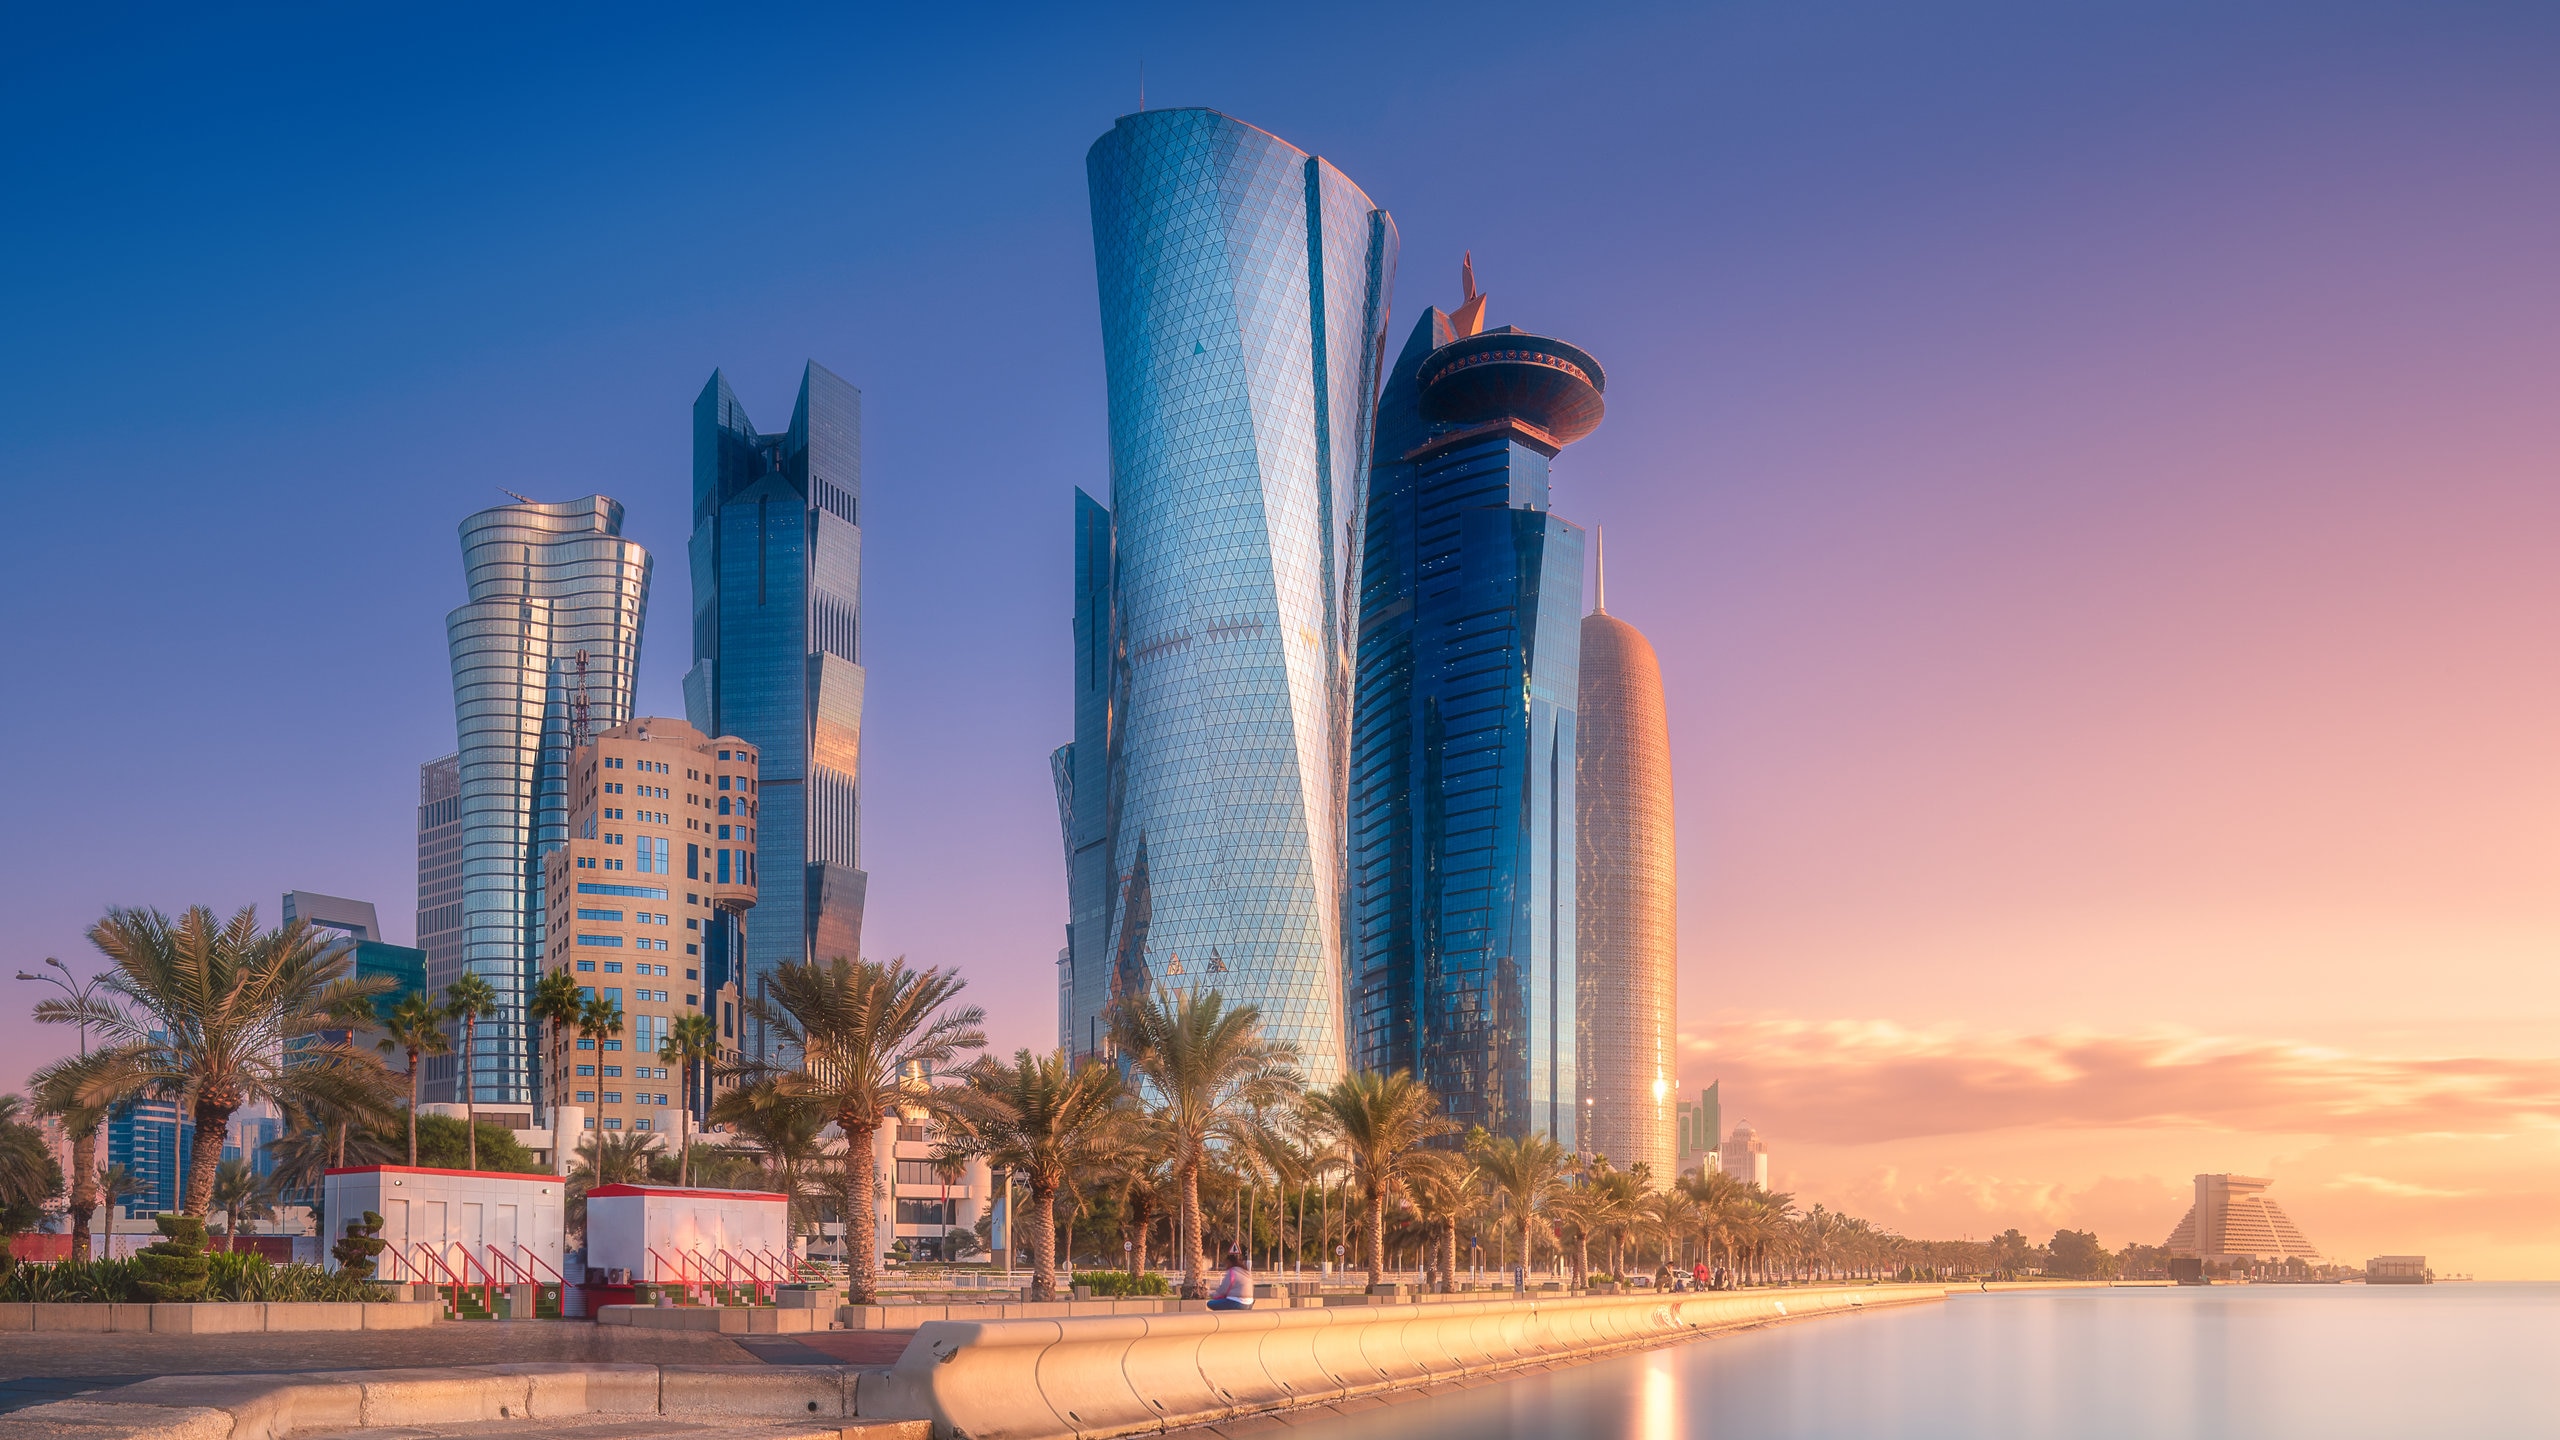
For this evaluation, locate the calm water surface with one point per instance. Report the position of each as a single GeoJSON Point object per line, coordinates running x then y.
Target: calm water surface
{"type": "Point", "coordinates": [2265, 1362]}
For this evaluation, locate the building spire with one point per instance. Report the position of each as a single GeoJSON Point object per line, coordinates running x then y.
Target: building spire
{"type": "Point", "coordinates": [1600, 568]}
{"type": "Point", "coordinates": [1468, 318]}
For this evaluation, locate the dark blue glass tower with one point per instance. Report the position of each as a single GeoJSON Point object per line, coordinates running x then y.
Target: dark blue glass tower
{"type": "Point", "coordinates": [1462, 804]}
{"type": "Point", "coordinates": [777, 605]}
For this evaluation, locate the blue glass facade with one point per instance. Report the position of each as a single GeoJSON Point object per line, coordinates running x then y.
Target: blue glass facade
{"type": "Point", "coordinates": [557, 597]}
{"type": "Point", "coordinates": [147, 1138]}
{"type": "Point", "coordinates": [777, 605]}
{"type": "Point", "coordinates": [1462, 770]}
{"type": "Point", "coordinates": [1244, 288]}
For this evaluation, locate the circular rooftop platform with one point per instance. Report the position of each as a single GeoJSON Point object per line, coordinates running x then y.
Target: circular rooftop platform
{"type": "Point", "coordinates": [1511, 373]}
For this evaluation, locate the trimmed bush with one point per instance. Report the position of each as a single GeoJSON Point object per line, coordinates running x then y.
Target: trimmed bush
{"type": "Point", "coordinates": [357, 1248]}
{"type": "Point", "coordinates": [1121, 1285]}
{"type": "Point", "coordinates": [176, 1268]}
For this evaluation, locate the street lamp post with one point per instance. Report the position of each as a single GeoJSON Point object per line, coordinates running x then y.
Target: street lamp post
{"type": "Point", "coordinates": [79, 993]}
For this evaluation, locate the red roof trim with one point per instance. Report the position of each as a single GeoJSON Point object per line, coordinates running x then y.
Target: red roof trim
{"type": "Point", "coordinates": [431, 1170]}
{"type": "Point", "coordinates": [608, 1191]}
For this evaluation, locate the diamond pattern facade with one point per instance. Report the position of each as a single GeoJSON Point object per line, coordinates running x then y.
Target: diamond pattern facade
{"type": "Point", "coordinates": [1627, 916]}
{"type": "Point", "coordinates": [1244, 288]}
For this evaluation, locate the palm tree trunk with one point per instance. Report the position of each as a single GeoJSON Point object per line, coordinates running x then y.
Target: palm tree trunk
{"type": "Point", "coordinates": [84, 1188]}
{"type": "Point", "coordinates": [1044, 1243]}
{"type": "Point", "coordinates": [861, 1256]}
{"type": "Point", "coordinates": [1195, 1261]}
{"type": "Point", "coordinates": [684, 1131]}
{"type": "Point", "coordinates": [213, 1121]}
{"type": "Point", "coordinates": [470, 1091]}
{"type": "Point", "coordinates": [413, 1109]}
{"type": "Point", "coordinates": [1377, 1245]}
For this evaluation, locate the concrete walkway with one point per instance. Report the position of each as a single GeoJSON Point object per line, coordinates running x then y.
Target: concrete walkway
{"type": "Point", "coordinates": [36, 1368]}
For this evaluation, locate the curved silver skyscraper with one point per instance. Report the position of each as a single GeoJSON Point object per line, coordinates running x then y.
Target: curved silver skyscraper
{"type": "Point", "coordinates": [1244, 293]}
{"type": "Point", "coordinates": [551, 636]}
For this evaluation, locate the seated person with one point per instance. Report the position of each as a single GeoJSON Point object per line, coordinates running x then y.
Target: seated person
{"type": "Point", "coordinates": [1235, 1288]}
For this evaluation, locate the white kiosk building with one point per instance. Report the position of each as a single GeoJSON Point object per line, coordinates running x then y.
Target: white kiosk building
{"type": "Point", "coordinates": [664, 1235]}
{"type": "Point", "coordinates": [452, 1227]}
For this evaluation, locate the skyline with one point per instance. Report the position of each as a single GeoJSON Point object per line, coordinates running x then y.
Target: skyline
{"type": "Point", "coordinates": [2086, 480]}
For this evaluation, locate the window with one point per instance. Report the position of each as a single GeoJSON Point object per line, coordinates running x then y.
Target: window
{"type": "Point", "coordinates": [724, 784]}
{"type": "Point", "coordinates": [587, 1071]}
{"type": "Point", "coordinates": [921, 1172]}
{"type": "Point", "coordinates": [610, 942]}
{"type": "Point", "coordinates": [640, 1124]}
{"type": "Point", "coordinates": [599, 914]}
{"type": "Point", "coordinates": [653, 853]}
{"type": "Point", "coordinates": [694, 1001]}
{"type": "Point", "coordinates": [613, 993]}
{"type": "Point", "coordinates": [635, 892]}
{"type": "Point", "coordinates": [690, 923]}
{"type": "Point", "coordinates": [613, 1097]}
{"type": "Point", "coordinates": [724, 755]}
{"type": "Point", "coordinates": [613, 967]}
{"type": "Point", "coordinates": [583, 1042]}
{"type": "Point", "coordinates": [724, 862]}
{"type": "Point", "coordinates": [692, 866]}
{"type": "Point", "coordinates": [692, 975]}
{"type": "Point", "coordinates": [693, 949]}
{"type": "Point", "coordinates": [586, 1097]}
{"type": "Point", "coordinates": [591, 1122]}
{"type": "Point", "coordinates": [588, 966]}
{"type": "Point", "coordinates": [926, 1212]}
{"type": "Point", "coordinates": [914, 1133]}
{"type": "Point", "coordinates": [613, 1044]}
{"type": "Point", "coordinates": [613, 1072]}
{"type": "Point", "coordinates": [610, 1123]}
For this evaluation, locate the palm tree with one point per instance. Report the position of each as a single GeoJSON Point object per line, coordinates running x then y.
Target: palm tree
{"type": "Point", "coordinates": [116, 1186]}
{"type": "Point", "coordinates": [1209, 1071]}
{"type": "Point", "coordinates": [1044, 1119]}
{"type": "Point", "coordinates": [787, 1131]}
{"type": "Point", "coordinates": [223, 1014]}
{"type": "Point", "coordinates": [865, 1033]}
{"type": "Point", "coordinates": [1446, 1190]}
{"type": "Point", "coordinates": [27, 1172]}
{"type": "Point", "coordinates": [414, 1027]}
{"type": "Point", "coordinates": [56, 1090]}
{"type": "Point", "coordinates": [239, 1190]}
{"type": "Point", "coordinates": [606, 1157]}
{"type": "Point", "coordinates": [1381, 1123]}
{"type": "Point", "coordinates": [1527, 1176]}
{"type": "Point", "coordinates": [555, 1006]}
{"type": "Point", "coordinates": [317, 1139]}
{"type": "Point", "coordinates": [692, 1042]}
{"type": "Point", "coordinates": [466, 1000]}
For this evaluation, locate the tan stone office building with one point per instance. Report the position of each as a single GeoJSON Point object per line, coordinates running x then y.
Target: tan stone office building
{"type": "Point", "coordinates": [649, 900]}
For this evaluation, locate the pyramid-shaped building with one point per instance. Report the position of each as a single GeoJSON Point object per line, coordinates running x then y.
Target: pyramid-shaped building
{"type": "Point", "coordinates": [2233, 1220]}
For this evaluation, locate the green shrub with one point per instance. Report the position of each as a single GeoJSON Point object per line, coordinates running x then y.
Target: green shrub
{"type": "Point", "coordinates": [229, 1276]}
{"type": "Point", "coordinates": [175, 1269]}
{"type": "Point", "coordinates": [1120, 1284]}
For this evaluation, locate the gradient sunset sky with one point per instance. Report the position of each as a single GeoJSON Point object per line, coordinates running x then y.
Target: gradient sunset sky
{"type": "Point", "coordinates": [2091, 472]}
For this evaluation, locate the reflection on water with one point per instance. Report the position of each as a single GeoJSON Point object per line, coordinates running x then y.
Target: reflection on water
{"type": "Point", "coordinates": [2246, 1362]}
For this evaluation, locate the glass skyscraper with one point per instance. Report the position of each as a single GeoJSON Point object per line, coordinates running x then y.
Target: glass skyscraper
{"type": "Point", "coordinates": [1244, 289]}
{"type": "Point", "coordinates": [552, 631]}
{"type": "Point", "coordinates": [1462, 764]}
{"type": "Point", "coordinates": [1628, 905]}
{"type": "Point", "coordinates": [777, 660]}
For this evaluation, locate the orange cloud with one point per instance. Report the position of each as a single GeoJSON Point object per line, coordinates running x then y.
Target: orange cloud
{"type": "Point", "coordinates": [1845, 1082]}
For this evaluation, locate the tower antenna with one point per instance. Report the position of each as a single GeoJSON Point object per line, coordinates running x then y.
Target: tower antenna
{"type": "Point", "coordinates": [1600, 567]}
{"type": "Point", "coordinates": [526, 499]}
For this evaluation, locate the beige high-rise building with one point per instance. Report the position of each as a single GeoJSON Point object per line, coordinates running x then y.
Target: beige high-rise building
{"type": "Point", "coordinates": [1625, 940]}
{"type": "Point", "coordinates": [648, 908]}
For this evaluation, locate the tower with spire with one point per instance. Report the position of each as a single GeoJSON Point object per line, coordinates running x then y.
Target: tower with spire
{"type": "Point", "coordinates": [1461, 951]}
{"type": "Point", "coordinates": [1625, 939]}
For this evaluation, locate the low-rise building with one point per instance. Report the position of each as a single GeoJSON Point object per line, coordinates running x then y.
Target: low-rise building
{"type": "Point", "coordinates": [649, 899]}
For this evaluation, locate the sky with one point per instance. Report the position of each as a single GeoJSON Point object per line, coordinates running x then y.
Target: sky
{"type": "Point", "coordinates": [2087, 471]}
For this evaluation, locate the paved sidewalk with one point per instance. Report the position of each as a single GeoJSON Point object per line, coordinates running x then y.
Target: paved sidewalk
{"type": "Point", "coordinates": [35, 1368]}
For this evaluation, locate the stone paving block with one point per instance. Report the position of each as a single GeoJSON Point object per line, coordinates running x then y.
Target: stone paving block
{"type": "Point", "coordinates": [307, 1316]}
{"type": "Point", "coordinates": [92, 1319]}
{"type": "Point", "coordinates": [780, 1391]}
{"type": "Point", "coordinates": [264, 1405]}
{"type": "Point", "coordinates": [561, 1391]}
{"type": "Point", "coordinates": [429, 1397]}
{"type": "Point", "coordinates": [399, 1314]}
{"type": "Point", "coordinates": [19, 1316]}
{"type": "Point", "coordinates": [220, 1317]}
{"type": "Point", "coordinates": [90, 1420]}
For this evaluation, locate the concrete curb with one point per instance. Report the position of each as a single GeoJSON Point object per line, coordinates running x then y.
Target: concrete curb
{"type": "Point", "coordinates": [270, 1407]}
{"type": "Point", "coordinates": [221, 1317]}
{"type": "Point", "coordinates": [1135, 1374]}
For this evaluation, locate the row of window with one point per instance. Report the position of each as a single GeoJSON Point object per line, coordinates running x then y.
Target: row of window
{"type": "Point", "coordinates": [614, 1097]}
{"type": "Point", "coordinates": [614, 967]}
{"type": "Point", "coordinates": [614, 1072]}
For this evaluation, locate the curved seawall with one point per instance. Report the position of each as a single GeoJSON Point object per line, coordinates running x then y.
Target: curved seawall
{"type": "Point", "coordinates": [1137, 1374]}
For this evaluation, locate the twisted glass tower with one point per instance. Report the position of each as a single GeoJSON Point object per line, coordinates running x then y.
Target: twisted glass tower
{"type": "Point", "coordinates": [1462, 791]}
{"type": "Point", "coordinates": [1244, 290]}
{"type": "Point", "coordinates": [777, 660]}
{"type": "Point", "coordinates": [552, 629]}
